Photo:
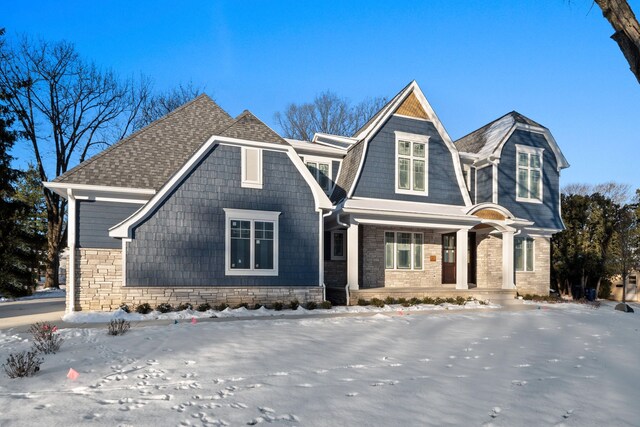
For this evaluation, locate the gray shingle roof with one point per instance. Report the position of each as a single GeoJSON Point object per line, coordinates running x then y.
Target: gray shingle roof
{"type": "Point", "coordinates": [147, 158]}
{"type": "Point", "coordinates": [492, 132]}
{"type": "Point", "coordinates": [348, 172]}
{"type": "Point", "coordinates": [249, 127]}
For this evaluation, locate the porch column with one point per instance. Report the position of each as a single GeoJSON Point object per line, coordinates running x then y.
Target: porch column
{"type": "Point", "coordinates": [462, 241]}
{"type": "Point", "coordinates": [352, 256]}
{"type": "Point", "coordinates": [507, 260]}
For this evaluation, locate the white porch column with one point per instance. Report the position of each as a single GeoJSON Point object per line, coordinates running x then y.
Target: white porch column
{"type": "Point", "coordinates": [462, 241]}
{"type": "Point", "coordinates": [71, 258]}
{"type": "Point", "coordinates": [507, 260]}
{"type": "Point", "coordinates": [352, 256]}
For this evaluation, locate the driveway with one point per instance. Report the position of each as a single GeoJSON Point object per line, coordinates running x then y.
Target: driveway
{"type": "Point", "coordinates": [23, 313]}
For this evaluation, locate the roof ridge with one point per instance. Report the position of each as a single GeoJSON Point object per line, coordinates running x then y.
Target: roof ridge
{"type": "Point", "coordinates": [144, 129]}
{"type": "Point", "coordinates": [247, 113]}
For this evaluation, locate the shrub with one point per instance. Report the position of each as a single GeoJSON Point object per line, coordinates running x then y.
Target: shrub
{"type": "Point", "coordinates": [257, 306]}
{"type": "Point", "coordinates": [428, 300]}
{"type": "Point", "coordinates": [118, 327]}
{"type": "Point", "coordinates": [460, 300]}
{"type": "Point", "coordinates": [605, 289]}
{"type": "Point", "coordinates": [377, 302]}
{"type": "Point", "coordinates": [438, 301]}
{"type": "Point", "coordinates": [23, 364]}
{"type": "Point", "coordinates": [402, 301]}
{"type": "Point", "coordinates": [326, 305]}
{"type": "Point", "coordinates": [185, 306]}
{"type": "Point", "coordinates": [415, 301]}
{"type": "Point", "coordinates": [222, 306]}
{"type": "Point", "coordinates": [45, 337]}
{"type": "Point", "coordinates": [243, 305]}
{"type": "Point", "coordinates": [165, 307]}
{"type": "Point", "coordinates": [204, 306]}
{"type": "Point", "coordinates": [311, 305]}
{"type": "Point", "coordinates": [450, 300]}
{"type": "Point", "coordinates": [389, 300]}
{"type": "Point", "coordinates": [362, 302]}
{"type": "Point", "coordinates": [124, 307]}
{"type": "Point", "coordinates": [294, 304]}
{"type": "Point", "coordinates": [144, 308]}
{"type": "Point", "coordinates": [277, 306]}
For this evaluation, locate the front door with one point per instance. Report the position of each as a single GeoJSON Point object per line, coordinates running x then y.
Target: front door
{"type": "Point", "coordinates": [449, 258]}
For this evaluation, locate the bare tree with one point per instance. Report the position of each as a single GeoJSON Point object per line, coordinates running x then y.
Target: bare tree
{"type": "Point", "coordinates": [627, 30]}
{"type": "Point", "coordinates": [152, 107]}
{"type": "Point", "coordinates": [328, 113]}
{"type": "Point", "coordinates": [64, 106]}
{"type": "Point", "coordinates": [615, 191]}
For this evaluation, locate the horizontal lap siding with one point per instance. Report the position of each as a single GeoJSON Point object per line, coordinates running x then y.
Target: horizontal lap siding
{"type": "Point", "coordinates": [546, 214]}
{"type": "Point", "coordinates": [94, 220]}
{"type": "Point", "coordinates": [183, 242]}
{"type": "Point", "coordinates": [377, 179]}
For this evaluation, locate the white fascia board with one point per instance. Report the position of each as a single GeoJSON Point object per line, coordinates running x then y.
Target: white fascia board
{"type": "Point", "coordinates": [123, 229]}
{"type": "Point", "coordinates": [303, 148]}
{"type": "Point", "coordinates": [89, 191]}
{"type": "Point", "coordinates": [338, 138]}
{"type": "Point", "coordinates": [489, 205]}
{"type": "Point", "coordinates": [412, 222]}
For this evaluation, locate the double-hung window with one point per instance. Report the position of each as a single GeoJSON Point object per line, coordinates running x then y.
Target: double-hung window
{"type": "Point", "coordinates": [529, 174]}
{"type": "Point", "coordinates": [412, 163]}
{"type": "Point", "coordinates": [403, 250]}
{"type": "Point", "coordinates": [523, 253]}
{"type": "Point", "coordinates": [338, 245]}
{"type": "Point", "coordinates": [321, 171]}
{"type": "Point", "coordinates": [251, 247]}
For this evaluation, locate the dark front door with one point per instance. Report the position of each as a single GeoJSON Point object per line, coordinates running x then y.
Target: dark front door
{"type": "Point", "coordinates": [471, 259]}
{"type": "Point", "coordinates": [449, 258]}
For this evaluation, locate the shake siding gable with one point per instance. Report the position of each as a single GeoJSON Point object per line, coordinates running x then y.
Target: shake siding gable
{"type": "Point", "coordinates": [485, 184]}
{"type": "Point", "coordinates": [377, 179]}
{"type": "Point", "coordinates": [183, 242]}
{"type": "Point", "coordinates": [94, 220]}
{"type": "Point", "coordinates": [545, 214]}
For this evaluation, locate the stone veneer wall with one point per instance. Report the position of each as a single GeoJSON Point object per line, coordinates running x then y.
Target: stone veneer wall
{"type": "Point", "coordinates": [537, 282]}
{"type": "Point", "coordinates": [335, 274]}
{"type": "Point", "coordinates": [488, 260]}
{"type": "Point", "coordinates": [374, 275]}
{"type": "Point", "coordinates": [99, 287]}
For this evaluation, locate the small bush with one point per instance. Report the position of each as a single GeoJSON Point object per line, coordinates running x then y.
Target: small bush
{"type": "Point", "coordinates": [428, 300]}
{"type": "Point", "coordinates": [389, 300]}
{"type": "Point", "coordinates": [311, 305]}
{"type": "Point", "coordinates": [377, 302]}
{"type": "Point", "coordinates": [415, 301]}
{"type": "Point", "coordinates": [222, 306]}
{"type": "Point", "coordinates": [362, 302]}
{"type": "Point", "coordinates": [460, 300]}
{"type": "Point", "coordinates": [243, 305]}
{"type": "Point", "coordinates": [45, 337]}
{"type": "Point", "coordinates": [23, 364]}
{"type": "Point", "coordinates": [204, 306]}
{"type": "Point", "coordinates": [165, 307]}
{"type": "Point", "coordinates": [185, 306]}
{"type": "Point", "coordinates": [277, 306]}
{"type": "Point", "coordinates": [118, 327]}
{"type": "Point", "coordinates": [326, 305]}
{"type": "Point", "coordinates": [257, 306]}
{"type": "Point", "coordinates": [124, 307]}
{"type": "Point", "coordinates": [450, 300]}
{"type": "Point", "coordinates": [144, 308]}
{"type": "Point", "coordinates": [438, 301]}
{"type": "Point", "coordinates": [402, 301]}
{"type": "Point", "coordinates": [294, 304]}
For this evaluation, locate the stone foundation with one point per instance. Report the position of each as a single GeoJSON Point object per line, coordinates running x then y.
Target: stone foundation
{"type": "Point", "coordinates": [98, 286]}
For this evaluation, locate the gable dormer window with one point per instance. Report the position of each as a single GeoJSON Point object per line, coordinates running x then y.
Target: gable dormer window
{"type": "Point", "coordinates": [529, 174]}
{"type": "Point", "coordinates": [321, 170]}
{"type": "Point", "coordinates": [412, 163]}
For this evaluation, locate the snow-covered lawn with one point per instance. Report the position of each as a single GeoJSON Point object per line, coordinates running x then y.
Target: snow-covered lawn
{"type": "Point", "coordinates": [568, 364]}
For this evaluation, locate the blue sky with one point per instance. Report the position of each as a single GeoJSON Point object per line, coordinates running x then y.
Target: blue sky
{"type": "Point", "coordinates": [551, 60]}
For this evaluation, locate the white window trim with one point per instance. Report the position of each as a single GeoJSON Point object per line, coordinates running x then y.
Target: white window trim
{"type": "Point", "coordinates": [344, 246]}
{"type": "Point", "coordinates": [467, 177]}
{"type": "Point", "coordinates": [533, 254]}
{"type": "Point", "coordinates": [395, 251]}
{"type": "Point", "coordinates": [245, 183]}
{"type": "Point", "coordinates": [421, 139]}
{"type": "Point", "coordinates": [250, 215]}
{"type": "Point", "coordinates": [325, 160]}
{"type": "Point", "coordinates": [529, 150]}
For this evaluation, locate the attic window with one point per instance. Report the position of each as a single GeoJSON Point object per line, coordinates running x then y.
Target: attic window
{"type": "Point", "coordinates": [251, 167]}
{"type": "Point", "coordinates": [528, 174]}
{"type": "Point", "coordinates": [412, 164]}
{"type": "Point", "coordinates": [320, 168]}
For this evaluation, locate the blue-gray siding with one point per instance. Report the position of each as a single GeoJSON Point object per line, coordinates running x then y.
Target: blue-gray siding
{"type": "Point", "coordinates": [485, 184]}
{"type": "Point", "coordinates": [183, 242]}
{"type": "Point", "coordinates": [546, 214]}
{"type": "Point", "coordinates": [94, 220]}
{"type": "Point", "coordinates": [377, 179]}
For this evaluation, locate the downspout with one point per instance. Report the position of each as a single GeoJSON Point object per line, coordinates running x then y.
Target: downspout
{"type": "Point", "coordinates": [321, 253]}
{"type": "Point", "coordinates": [71, 261]}
{"type": "Point", "coordinates": [346, 287]}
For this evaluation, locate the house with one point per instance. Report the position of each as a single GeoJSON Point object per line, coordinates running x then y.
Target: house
{"type": "Point", "coordinates": [632, 287]}
{"type": "Point", "coordinates": [200, 206]}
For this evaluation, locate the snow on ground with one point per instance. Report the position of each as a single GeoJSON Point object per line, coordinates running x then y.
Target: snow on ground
{"type": "Point", "coordinates": [38, 294]}
{"type": "Point", "coordinates": [567, 365]}
{"type": "Point", "coordinates": [241, 312]}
